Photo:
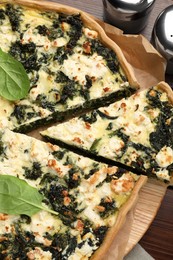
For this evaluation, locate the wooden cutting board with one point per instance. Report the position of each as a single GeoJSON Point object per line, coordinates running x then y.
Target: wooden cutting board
{"type": "Point", "coordinates": [137, 221]}
{"type": "Point", "coordinates": [150, 198]}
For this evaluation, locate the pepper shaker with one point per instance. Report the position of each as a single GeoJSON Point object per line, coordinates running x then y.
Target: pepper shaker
{"type": "Point", "coordinates": [162, 37]}
{"type": "Point", "coordinates": [129, 15]}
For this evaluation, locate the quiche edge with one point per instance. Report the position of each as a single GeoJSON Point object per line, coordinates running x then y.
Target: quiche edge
{"type": "Point", "coordinates": [129, 205]}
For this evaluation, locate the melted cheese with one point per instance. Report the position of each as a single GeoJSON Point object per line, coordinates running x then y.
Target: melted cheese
{"type": "Point", "coordinates": [165, 157]}
{"type": "Point", "coordinates": [38, 254]}
{"type": "Point", "coordinates": [41, 223]}
{"type": "Point", "coordinates": [20, 152]}
{"type": "Point", "coordinates": [6, 222]}
{"type": "Point", "coordinates": [121, 131]}
{"type": "Point", "coordinates": [76, 66]}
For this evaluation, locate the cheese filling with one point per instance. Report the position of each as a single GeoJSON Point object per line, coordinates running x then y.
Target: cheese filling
{"type": "Point", "coordinates": [136, 131]}
{"type": "Point", "coordinates": [66, 63]}
{"type": "Point", "coordinates": [86, 194]}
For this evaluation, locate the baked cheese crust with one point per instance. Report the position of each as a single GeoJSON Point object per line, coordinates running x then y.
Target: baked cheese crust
{"type": "Point", "coordinates": [68, 64]}
{"type": "Point", "coordinates": [89, 197]}
{"type": "Point", "coordinates": [136, 131]}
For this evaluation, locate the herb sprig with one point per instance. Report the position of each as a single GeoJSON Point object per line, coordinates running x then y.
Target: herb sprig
{"type": "Point", "coordinates": [14, 83]}
{"type": "Point", "coordinates": [18, 197]}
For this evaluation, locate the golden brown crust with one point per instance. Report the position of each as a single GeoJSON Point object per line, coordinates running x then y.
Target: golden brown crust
{"type": "Point", "coordinates": [165, 87]}
{"type": "Point", "coordinates": [120, 219]}
{"type": "Point", "coordinates": [90, 23]}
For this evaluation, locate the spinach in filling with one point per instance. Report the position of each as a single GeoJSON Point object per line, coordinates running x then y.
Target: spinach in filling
{"type": "Point", "coordinates": [108, 206]}
{"type": "Point", "coordinates": [69, 91]}
{"type": "Point", "coordinates": [18, 244]}
{"type": "Point", "coordinates": [89, 117]}
{"type": "Point", "coordinates": [23, 113]}
{"type": "Point", "coordinates": [74, 178]}
{"type": "Point", "coordinates": [2, 15]}
{"type": "Point", "coordinates": [94, 145]}
{"type": "Point", "coordinates": [52, 33]}
{"type": "Point", "coordinates": [42, 101]}
{"type": "Point", "coordinates": [57, 195]}
{"type": "Point", "coordinates": [69, 88]}
{"type": "Point", "coordinates": [163, 135]}
{"type": "Point", "coordinates": [14, 15]}
{"type": "Point", "coordinates": [62, 54]}
{"type": "Point", "coordinates": [107, 54]}
{"type": "Point", "coordinates": [26, 54]}
{"type": "Point", "coordinates": [116, 175]}
{"type": "Point", "coordinates": [103, 115]}
{"type": "Point", "coordinates": [59, 154]}
{"type": "Point", "coordinates": [74, 33]}
{"type": "Point", "coordinates": [92, 171]}
{"type": "Point", "coordinates": [100, 233]}
{"type": "Point", "coordinates": [34, 172]}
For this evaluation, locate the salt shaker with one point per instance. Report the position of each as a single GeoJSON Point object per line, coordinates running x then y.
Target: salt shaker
{"type": "Point", "coordinates": [162, 37]}
{"type": "Point", "coordinates": [129, 15]}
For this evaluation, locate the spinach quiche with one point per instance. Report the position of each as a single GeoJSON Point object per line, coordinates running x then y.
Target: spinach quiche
{"type": "Point", "coordinates": [91, 200]}
{"type": "Point", "coordinates": [73, 67]}
{"type": "Point", "coordinates": [71, 64]}
{"type": "Point", "coordinates": [136, 131]}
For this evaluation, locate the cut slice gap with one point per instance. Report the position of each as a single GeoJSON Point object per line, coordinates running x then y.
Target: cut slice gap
{"type": "Point", "coordinates": [135, 132]}
{"type": "Point", "coordinates": [93, 156]}
{"type": "Point", "coordinates": [59, 117]}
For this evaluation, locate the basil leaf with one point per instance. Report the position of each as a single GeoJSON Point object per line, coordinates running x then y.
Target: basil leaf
{"type": "Point", "coordinates": [15, 83]}
{"type": "Point", "coordinates": [18, 197]}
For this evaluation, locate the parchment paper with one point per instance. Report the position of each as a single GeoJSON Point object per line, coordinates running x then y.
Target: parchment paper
{"type": "Point", "coordinates": [118, 247]}
{"type": "Point", "coordinates": [148, 65]}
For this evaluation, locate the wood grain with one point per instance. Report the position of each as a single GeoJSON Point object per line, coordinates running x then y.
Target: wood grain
{"type": "Point", "coordinates": [149, 201]}
{"type": "Point", "coordinates": [158, 240]}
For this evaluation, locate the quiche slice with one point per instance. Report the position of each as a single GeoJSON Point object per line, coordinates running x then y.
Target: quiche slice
{"type": "Point", "coordinates": [71, 64]}
{"type": "Point", "coordinates": [136, 131]}
{"type": "Point", "coordinates": [91, 199]}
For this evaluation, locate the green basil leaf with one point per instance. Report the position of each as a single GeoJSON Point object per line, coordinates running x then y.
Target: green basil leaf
{"type": "Point", "coordinates": [15, 83]}
{"type": "Point", "coordinates": [18, 197]}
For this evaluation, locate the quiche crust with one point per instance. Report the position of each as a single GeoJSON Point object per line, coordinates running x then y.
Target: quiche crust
{"type": "Point", "coordinates": [120, 219]}
{"type": "Point", "coordinates": [165, 87]}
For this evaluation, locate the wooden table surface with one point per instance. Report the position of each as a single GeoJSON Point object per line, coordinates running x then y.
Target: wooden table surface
{"type": "Point", "coordinates": [158, 240]}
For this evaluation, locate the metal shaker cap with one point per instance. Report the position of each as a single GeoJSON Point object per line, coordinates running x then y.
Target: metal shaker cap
{"type": "Point", "coordinates": [129, 15]}
{"type": "Point", "coordinates": [162, 36]}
